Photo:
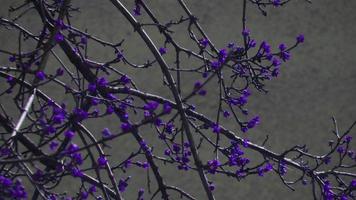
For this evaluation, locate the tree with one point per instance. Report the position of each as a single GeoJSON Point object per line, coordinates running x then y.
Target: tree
{"type": "Point", "coordinates": [50, 143]}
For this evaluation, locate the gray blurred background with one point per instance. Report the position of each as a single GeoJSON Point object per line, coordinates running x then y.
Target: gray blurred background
{"type": "Point", "coordinates": [319, 81]}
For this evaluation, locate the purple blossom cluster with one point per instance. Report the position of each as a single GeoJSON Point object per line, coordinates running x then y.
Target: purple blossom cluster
{"type": "Point", "coordinates": [12, 189]}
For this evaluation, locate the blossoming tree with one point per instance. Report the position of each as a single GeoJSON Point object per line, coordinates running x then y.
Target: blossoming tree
{"type": "Point", "coordinates": [49, 143]}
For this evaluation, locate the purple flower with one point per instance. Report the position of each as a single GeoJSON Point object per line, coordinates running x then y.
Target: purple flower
{"type": "Point", "coordinates": [102, 82]}
{"type": "Point", "coordinates": [102, 161]}
{"type": "Point", "coordinates": [111, 96]}
{"type": "Point", "coordinates": [59, 72]}
{"type": "Point", "coordinates": [79, 114]}
{"type": "Point", "coordinates": [186, 144]}
{"type": "Point", "coordinates": [244, 129]}
{"type": "Point", "coordinates": [123, 184]}
{"type": "Point", "coordinates": [268, 167]}
{"type": "Point", "coordinates": [343, 197]}
{"type": "Point", "coordinates": [106, 132]}
{"type": "Point", "coordinates": [266, 47]}
{"type": "Point", "coordinates": [327, 190]}
{"type": "Point", "coordinates": [162, 50]}
{"type": "Point", "coordinates": [282, 47]}
{"type": "Point", "coordinates": [16, 190]}
{"type": "Point", "coordinates": [176, 148]}
{"type": "Point", "coordinates": [123, 106]}
{"type": "Point", "coordinates": [76, 172]}
{"type": "Point", "coordinates": [213, 165]}
{"type": "Point", "coordinates": [246, 92]}
{"type": "Point", "coordinates": [216, 128]}
{"type": "Point", "coordinates": [125, 126]}
{"type": "Point", "coordinates": [300, 38]}
{"type": "Point", "coordinates": [92, 189]}
{"type": "Point", "coordinates": [252, 44]}
{"type": "Point", "coordinates": [73, 147]}
{"type": "Point", "coordinates": [222, 55]}
{"type": "Point", "coordinates": [185, 159]}
{"type": "Point", "coordinates": [59, 37]}
{"type": "Point", "coordinates": [169, 127]}
{"type": "Point", "coordinates": [94, 102]}
{"type": "Point", "coordinates": [276, 62]}
{"type": "Point", "coordinates": [95, 113]}
{"type": "Point", "coordinates": [12, 58]}
{"type": "Point", "coordinates": [211, 186]}
{"type": "Point", "coordinates": [304, 182]}
{"type": "Point", "coordinates": [276, 3]}
{"type": "Point", "coordinates": [197, 85]}
{"type": "Point", "coordinates": [53, 145]}
{"type": "Point", "coordinates": [69, 134]}
{"type": "Point", "coordinates": [350, 153]}
{"type": "Point", "coordinates": [253, 122]}
{"type": "Point", "coordinates": [125, 79]}
{"type": "Point", "coordinates": [49, 129]}
{"type": "Point", "coordinates": [282, 168]}
{"type": "Point", "coordinates": [205, 74]}
{"type": "Point", "coordinates": [145, 165]}
{"type": "Point", "coordinates": [231, 45]}
{"type": "Point", "coordinates": [246, 32]}
{"type": "Point", "coordinates": [167, 152]}
{"type": "Point", "coordinates": [215, 65]}
{"type": "Point", "coordinates": [59, 118]}
{"type": "Point", "coordinates": [245, 143]}
{"type": "Point", "coordinates": [92, 87]}
{"type": "Point", "coordinates": [327, 160]}
{"type": "Point", "coordinates": [147, 113]}
{"type": "Point", "coordinates": [285, 55]}
{"type": "Point", "coordinates": [84, 195]}
{"type": "Point", "coordinates": [162, 136]}
{"type": "Point", "coordinates": [127, 163]}
{"type": "Point", "coordinates": [240, 173]}
{"type": "Point", "coordinates": [260, 171]}
{"type": "Point", "coordinates": [158, 122]}
{"type": "Point", "coordinates": [59, 168]}
{"type": "Point", "coordinates": [348, 138]}
{"type": "Point", "coordinates": [204, 42]}
{"type": "Point", "coordinates": [144, 146]}
{"type": "Point", "coordinates": [40, 75]}
{"type": "Point", "coordinates": [6, 182]}
{"type": "Point", "coordinates": [77, 157]}
{"type": "Point", "coordinates": [202, 92]}
{"type": "Point", "coordinates": [167, 108]}
{"type": "Point", "coordinates": [275, 72]}
{"type": "Point", "coordinates": [11, 81]}
{"type": "Point", "coordinates": [151, 106]}
{"type": "Point", "coordinates": [353, 183]}
{"type": "Point", "coordinates": [269, 57]}
{"type": "Point", "coordinates": [137, 10]}
{"type": "Point", "coordinates": [140, 194]}
{"type": "Point", "coordinates": [340, 149]}
{"type": "Point", "coordinates": [226, 114]}
{"type": "Point", "coordinates": [60, 24]}
{"type": "Point", "coordinates": [83, 39]}
{"type": "Point", "coordinates": [183, 167]}
{"type": "Point", "coordinates": [109, 109]}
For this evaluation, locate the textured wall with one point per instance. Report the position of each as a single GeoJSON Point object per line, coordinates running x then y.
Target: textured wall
{"type": "Point", "coordinates": [318, 83]}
